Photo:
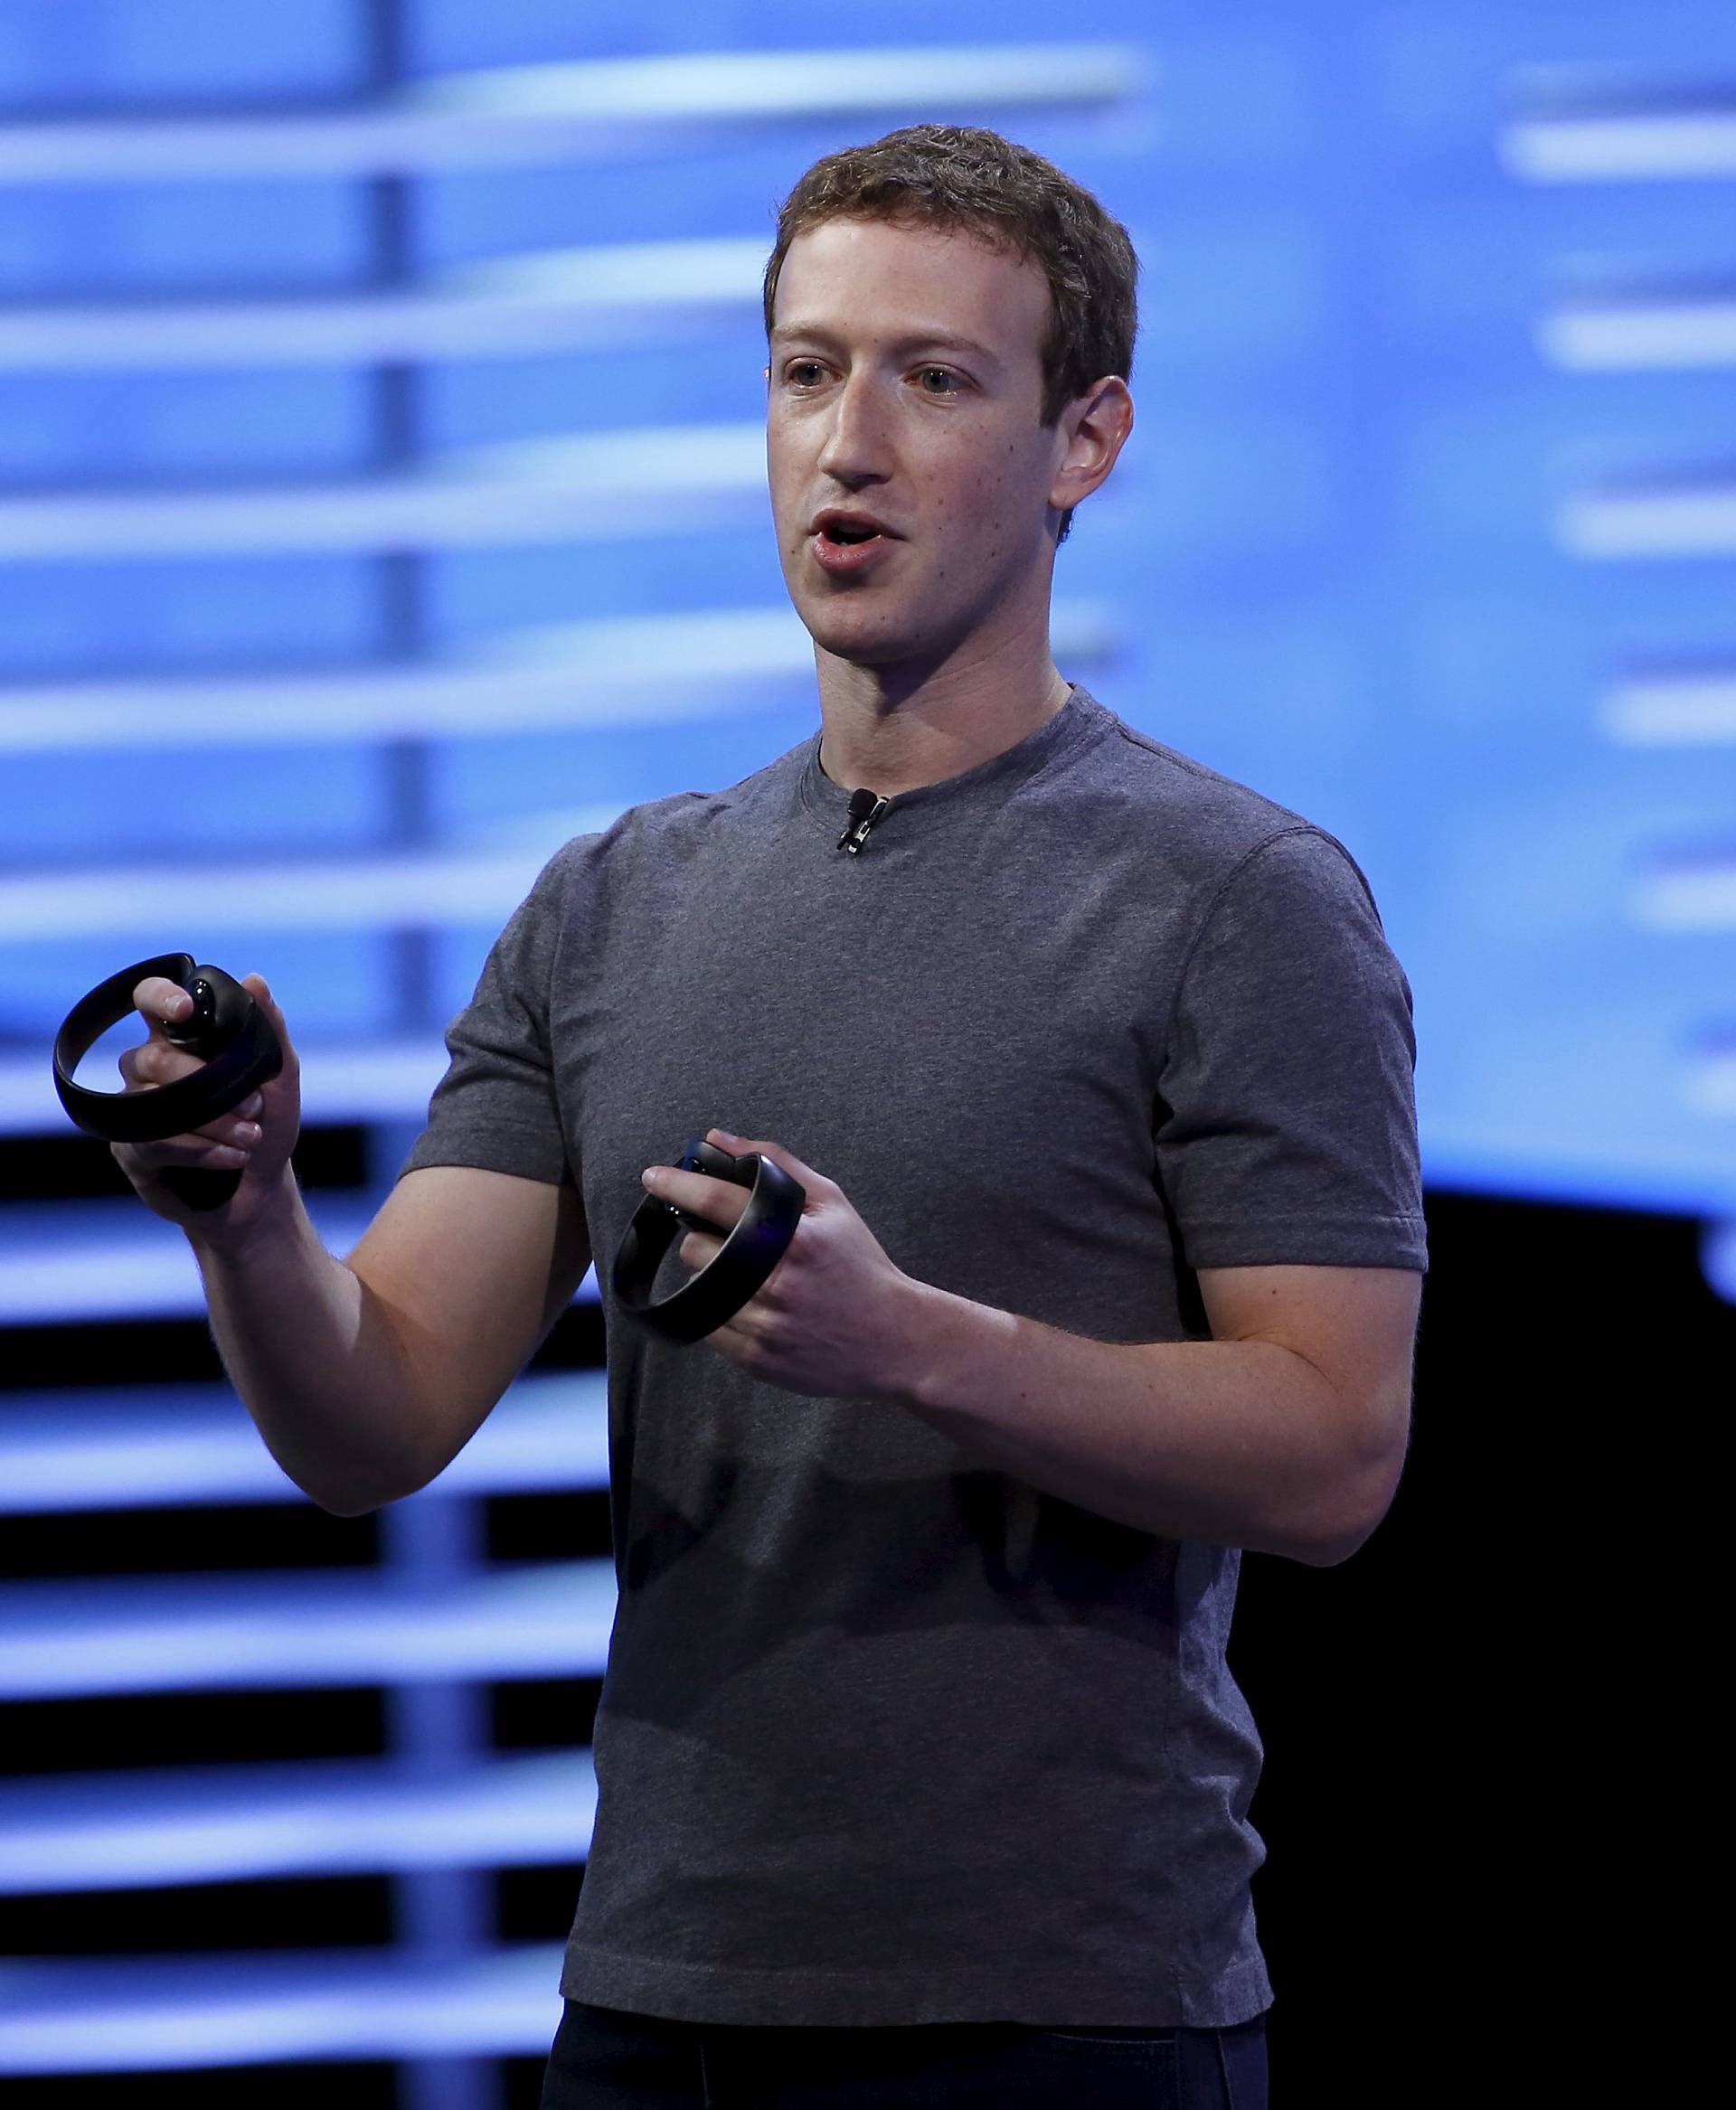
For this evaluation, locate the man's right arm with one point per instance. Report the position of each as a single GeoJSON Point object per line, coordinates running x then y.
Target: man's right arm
{"type": "Point", "coordinates": [367, 1376]}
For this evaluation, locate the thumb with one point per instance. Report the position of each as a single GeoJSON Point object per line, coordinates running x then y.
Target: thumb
{"type": "Point", "coordinates": [262, 990]}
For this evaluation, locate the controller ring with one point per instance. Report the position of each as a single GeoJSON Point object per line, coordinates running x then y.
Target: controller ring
{"type": "Point", "coordinates": [226, 1026]}
{"type": "Point", "coordinates": [751, 1249]}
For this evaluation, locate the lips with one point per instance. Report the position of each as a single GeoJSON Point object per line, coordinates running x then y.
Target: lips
{"type": "Point", "coordinates": [843, 525]}
{"type": "Point", "coordinates": [843, 558]}
{"type": "Point", "coordinates": [846, 540]}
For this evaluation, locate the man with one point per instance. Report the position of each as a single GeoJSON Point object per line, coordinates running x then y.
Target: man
{"type": "Point", "coordinates": [922, 1776]}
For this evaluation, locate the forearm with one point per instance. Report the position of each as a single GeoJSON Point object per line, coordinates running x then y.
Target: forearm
{"type": "Point", "coordinates": [1234, 1443]}
{"type": "Point", "coordinates": [313, 1356]}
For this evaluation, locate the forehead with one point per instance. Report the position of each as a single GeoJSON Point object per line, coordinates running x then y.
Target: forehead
{"type": "Point", "coordinates": [869, 277]}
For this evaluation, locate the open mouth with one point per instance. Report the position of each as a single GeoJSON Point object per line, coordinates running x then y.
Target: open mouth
{"type": "Point", "coordinates": [845, 548]}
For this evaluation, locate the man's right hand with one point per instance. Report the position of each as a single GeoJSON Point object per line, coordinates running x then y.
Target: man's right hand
{"type": "Point", "coordinates": [256, 1138]}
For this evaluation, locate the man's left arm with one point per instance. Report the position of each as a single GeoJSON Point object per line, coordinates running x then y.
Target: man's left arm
{"type": "Point", "coordinates": [1284, 1434]}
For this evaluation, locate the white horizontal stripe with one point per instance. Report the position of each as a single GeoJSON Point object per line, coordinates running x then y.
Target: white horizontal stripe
{"type": "Point", "coordinates": [1696, 897]}
{"type": "Point", "coordinates": [438, 701]}
{"type": "Point", "coordinates": [665, 480]}
{"type": "Point", "coordinates": [241, 1823]}
{"type": "Point", "coordinates": [522, 116]}
{"type": "Point", "coordinates": [1660, 334]}
{"type": "Point", "coordinates": [157, 1445]}
{"type": "Point", "coordinates": [341, 1081]}
{"type": "Point", "coordinates": [168, 1633]}
{"type": "Point", "coordinates": [710, 84]}
{"type": "Point", "coordinates": [1711, 1091]}
{"type": "Point", "coordinates": [565, 300]}
{"type": "Point", "coordinates": [114, 2015]}
{"type": "Point", "coordinates": [635, 670]}
{"type": "Point", "coordinates": [611, 673]}
{"type": "Point", "coordinates": [1667, 522]}
{"type": "Point", "coordinates": [423, 893]}
{"type": "Point", "coordinates": [1672, 711]}
{"type": "Point", "coordinates": [1603, 1170]}
{"type": "Point", "coordinates": [1648, 146]}
{"type": "Point", "coordinates": [65, 1261]}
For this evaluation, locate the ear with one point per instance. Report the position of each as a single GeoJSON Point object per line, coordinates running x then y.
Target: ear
{"type": "Point", "coordinates": [1095, 425]}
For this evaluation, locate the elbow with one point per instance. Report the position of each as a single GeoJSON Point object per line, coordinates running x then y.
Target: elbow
{"type": "Point", "coordinates": [374, 1484]}
{"type": "Point", "coordinates": [1333, 1553]}
{"type": "Point", "coordinates": [347, 1509]}
{"type": "Point", "coordinates": [336, 1505]}
{"type": "Point", "coordinates": [1355, 1525]}
{"type": "Point", "coordinates": [361, 1500]}
{"type": "Point", "coordinates": [1320, 1553]}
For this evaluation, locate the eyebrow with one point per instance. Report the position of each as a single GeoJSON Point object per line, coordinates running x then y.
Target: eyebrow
{"type": "Point", "coordinates": [916, 341]}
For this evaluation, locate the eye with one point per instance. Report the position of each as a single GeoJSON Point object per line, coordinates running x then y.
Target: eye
{"type": "Point", "coordinates": [945, 376]}
{"type": "Point", "coordinates": [790, 371]}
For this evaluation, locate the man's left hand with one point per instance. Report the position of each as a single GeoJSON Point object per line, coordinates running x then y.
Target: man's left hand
{"type": "Point", "coordinates": [834, 1317]}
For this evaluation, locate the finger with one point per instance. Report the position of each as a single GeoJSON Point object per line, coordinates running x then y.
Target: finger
{"type": "Point", "coordinates": [236, 1125]}
{"type": "Point", "coordinates": [720, 1200]}
{"type": "Point", "coordinates": [161, 1000]}
{"type": "Point", "coordinates": [747, 1146]}
{"type": "Point", "coordinates": [154, 1062]}
{"type": "Point", "coordinates": [182, 1149]}
{"type": "Point", "coordinates": [195, 1150]}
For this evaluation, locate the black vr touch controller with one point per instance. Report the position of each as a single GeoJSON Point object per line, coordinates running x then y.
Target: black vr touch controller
{"type": "Point", "coordinates": [750, 1251]}
{"type": "Point", "coordinates": [237, 1041]}
{"type": "Point", "coordinates": [241, 1050]}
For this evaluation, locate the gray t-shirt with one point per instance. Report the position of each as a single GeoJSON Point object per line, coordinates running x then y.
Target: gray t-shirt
{"type": "Point", "coordinates": [888, 1736]}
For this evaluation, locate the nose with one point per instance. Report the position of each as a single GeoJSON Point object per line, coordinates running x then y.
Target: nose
{"type": "Point", "coordinates": [856, 444]}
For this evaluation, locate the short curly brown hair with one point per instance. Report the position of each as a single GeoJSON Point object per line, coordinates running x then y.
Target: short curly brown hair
{"type": "Point", "coordinates": [964, 176]}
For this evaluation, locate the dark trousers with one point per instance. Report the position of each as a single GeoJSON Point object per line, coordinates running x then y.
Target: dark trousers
{"type": "Point", "coordinates": [608, 2057]}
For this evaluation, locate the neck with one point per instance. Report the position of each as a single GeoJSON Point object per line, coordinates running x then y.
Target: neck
{"type": "Point", "coordinates": [894, 731]}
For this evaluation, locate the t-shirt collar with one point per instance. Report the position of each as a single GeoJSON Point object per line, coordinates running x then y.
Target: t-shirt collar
{"type": "Point", "coordinates": [995, 778]}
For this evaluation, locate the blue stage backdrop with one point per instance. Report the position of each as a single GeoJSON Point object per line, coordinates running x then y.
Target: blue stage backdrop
{"type": "Point", "coordinates": [382, 503]}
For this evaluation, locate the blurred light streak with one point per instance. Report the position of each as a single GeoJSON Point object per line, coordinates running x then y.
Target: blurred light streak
{"type": "Point", "coordinates": [522, 116]}
{"type": "Point", "coordinates": [679, 479]}
{"type": "Point", "coordinates": [673, 668]}
{"type": "Point", "coordinates": [1646, 146]}
{"type": "Point", "coordinates": [264, 1631]}
{"type": "Point", "coordinates": [1664, 520]}
{"type": "Point", "coordinates": [562, 301]}
{"type": "Point", "coordinates": [342, 1082]}
{"type": "Point", "coordinates": [1665, 335]}
{"type": "Point", "coordinates": [237, 1824]}
{"type": "Point", "coordinates": [1671, 710]}
{"type": "Point", "coordinates": [118, 2015]}
{"type": "Point", "coordinates": [152, 1446]}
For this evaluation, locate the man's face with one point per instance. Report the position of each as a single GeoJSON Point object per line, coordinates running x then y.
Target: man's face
{"type": "Point", "coordinates": [906, 383]}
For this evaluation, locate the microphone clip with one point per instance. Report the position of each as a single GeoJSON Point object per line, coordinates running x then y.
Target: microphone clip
{"type": "Point", "coordinates": [865, 808]}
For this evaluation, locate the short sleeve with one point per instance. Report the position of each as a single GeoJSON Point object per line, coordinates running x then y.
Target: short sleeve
{"type": "Point", "coordinates": [497, 1106]}
{"type": "Point", "coordinates": [1287, 1127]}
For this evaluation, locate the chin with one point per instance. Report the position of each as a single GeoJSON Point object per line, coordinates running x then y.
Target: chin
{"type": "Point", "coordinates": [853, 642]}
{"type": "Point", "coordinates": [849, 632]}
{"type": "Point", "coordinates": [880, 651]}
